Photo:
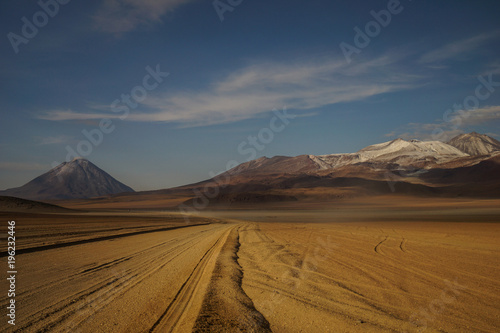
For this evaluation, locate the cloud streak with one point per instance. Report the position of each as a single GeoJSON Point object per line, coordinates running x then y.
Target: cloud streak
{"type": "Point", "coordinates": [68, 115]}
{"type": "Point", "coordinates": [257, 89]}
{"type": "Point", "coordinates": [53, 140]}
{"type": "Point", "coordinates": [458, 48]}
{"type": "Point", "coordinates": [457, 124]}
{"type": "Point", "coordinates": [120, 16]}
{"type": "Point", "coordinates": [479, 116]}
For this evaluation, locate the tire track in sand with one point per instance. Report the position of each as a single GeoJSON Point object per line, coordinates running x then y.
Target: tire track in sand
{"type": "Point", "coordinates": [377, 247]}
{"type": "Point", "coordinates": [95, 239]}
{"type": "Point", "coordinates": [186, 295]}
{"type": "Point", "coordinates": [226, 307]}
{"type": "Point", "coordinates": [76, 308]}
{"type": "Point", "coordinates": [402, 245]}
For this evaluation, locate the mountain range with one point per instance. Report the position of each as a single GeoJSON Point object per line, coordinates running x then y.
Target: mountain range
{"type": "Point", "coordinates": [467, 165]}
{"type": "Point", "coordinates": [391, 155]}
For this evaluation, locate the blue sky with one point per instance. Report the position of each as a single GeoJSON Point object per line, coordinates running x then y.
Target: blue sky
{"type": "Point", "coordinates": [415, 73]}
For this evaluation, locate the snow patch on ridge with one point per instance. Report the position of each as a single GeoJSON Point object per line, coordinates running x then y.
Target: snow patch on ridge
{"type": "Point", "coordinates": [397, 151]}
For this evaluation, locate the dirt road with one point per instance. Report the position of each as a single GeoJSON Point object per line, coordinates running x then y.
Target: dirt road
{"type": "Point", "coordinates": [140, 283]}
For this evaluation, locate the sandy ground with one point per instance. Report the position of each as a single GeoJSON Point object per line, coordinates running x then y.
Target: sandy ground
{"type": "Point", "coordinates": [375, 266]}
{"type": "Point", "coordinates": [134, 283]}
{"type": "Point", "coordinates": [379, 277]}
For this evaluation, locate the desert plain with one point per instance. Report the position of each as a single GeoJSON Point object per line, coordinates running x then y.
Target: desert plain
{"type": "Point", "coordinates": [372, 264]}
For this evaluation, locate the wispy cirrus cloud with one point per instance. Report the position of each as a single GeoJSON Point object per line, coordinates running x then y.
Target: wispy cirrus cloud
{"type": "Point", "coordinates": [482, 115]}
{"type": "Point", "coordinates": [53, 140]}
{"type": "Point", "coordinates": [492, 68]}
{"type": "Point", "coordinates": [458, 48]}
{"type": "Point", "coordinates": [426, 132]}
{"type": "Point", "coordinates": [68, 115]}
{"type": "Point", "coordinates": [445, 130]}
{"type": "Point", "coordinates": [120, 16]}
{"type": "Point", "coordinates": [254, 90]}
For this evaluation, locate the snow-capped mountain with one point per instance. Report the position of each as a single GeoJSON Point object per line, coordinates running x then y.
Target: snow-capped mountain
{"type": "Point", "coordinates": [397, 151]}
{"type": "Point", "coordinates": [476, 144]}
{"type": "Point", "coordinates": [409, 167]}
{"type": "Point", "coordinates": [70, 180]}
{"type": "Point", "coordinates": [388, 155]}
